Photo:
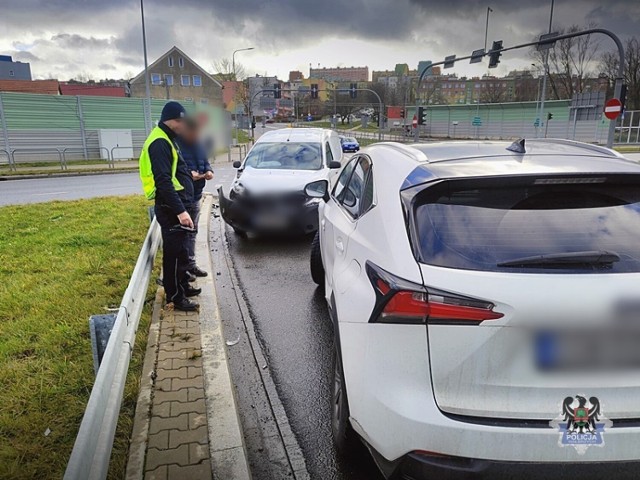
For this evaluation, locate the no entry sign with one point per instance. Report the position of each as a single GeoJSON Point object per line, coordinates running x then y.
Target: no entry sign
{"type": "Point", "coordinates": [612, 109]}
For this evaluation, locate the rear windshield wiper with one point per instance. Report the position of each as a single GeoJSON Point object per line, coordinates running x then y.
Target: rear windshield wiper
{"type": "Point", "coordinates": [559, 260]}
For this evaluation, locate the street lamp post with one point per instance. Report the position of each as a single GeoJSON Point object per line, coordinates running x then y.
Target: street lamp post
{"type": "Point", "coordinates": [147, 119]}
{"type": "Point", "coordinates": [235, 79]}
{"type": "Point", "coordinates": [543, 93]}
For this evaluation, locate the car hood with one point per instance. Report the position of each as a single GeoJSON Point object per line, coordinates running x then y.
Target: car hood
{"type": "Point", "coordinates": [273, 181]}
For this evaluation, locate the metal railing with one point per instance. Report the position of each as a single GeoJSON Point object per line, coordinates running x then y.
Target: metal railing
{"type": "Point", "coordinates": [63, 165]}
{"type": "Point", "coordinates": [92, 449]}
{"type": "Point", "coordinates": [120, 158]}
{"type": "Point", "coordinates": [9, 163]}
{"type": "Point", "coordinates": [109, 160]}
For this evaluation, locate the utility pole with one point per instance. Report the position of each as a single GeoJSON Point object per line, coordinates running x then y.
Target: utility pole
{"type": "Point", "coordinates": [546, 70]}
{"type": "Point", "coordinates": [147, 120]}
{"type": "Point", "coordinates": [486, 28]}
{"type": "Point", "coordinates": [235, 79]}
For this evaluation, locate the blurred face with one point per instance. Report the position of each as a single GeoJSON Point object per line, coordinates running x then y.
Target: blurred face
{"type": "Point", "coordinates": [191, 131]}
{"type": "Point", "coordinates": [177, 125]}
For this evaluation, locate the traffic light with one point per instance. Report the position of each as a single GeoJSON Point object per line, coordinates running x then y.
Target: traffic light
{"type": "Point", "coordinates": [314, 90]}
{"type": "Point", "coordinates": [402, 114]}
{"type": "Point", "coordinates": [494, 54]}
{"type": "Point", "coordinates": [353, 90]}
{"type": "Point", "coordinates": [549, 116]}
{"type": "Point", "coordinates": [277, 90]}
{"type": "Point", "coordinates": [422, 115]}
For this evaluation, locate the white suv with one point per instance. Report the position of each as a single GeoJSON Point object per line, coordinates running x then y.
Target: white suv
{"type": "Point", "coordinates": [486, 307]}
{"type": "Point", "coordinates": [268, 192]}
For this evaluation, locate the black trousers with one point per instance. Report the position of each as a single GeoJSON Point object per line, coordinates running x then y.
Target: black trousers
{"type": "Point", "coordinates": [194, 212]}
{"type": "Point", "coordinates": [175, 259]}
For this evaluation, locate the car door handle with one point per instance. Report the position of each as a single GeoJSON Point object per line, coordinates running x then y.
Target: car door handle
{"type": "Point", "coordinates": [339, 245]}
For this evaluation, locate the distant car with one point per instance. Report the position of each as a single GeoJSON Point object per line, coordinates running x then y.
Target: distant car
{"type": "Point", "coordinates": [268, 193]}
{"type": "Point", "coordinates": [350, 144]}
{"type": "Point", "coordinates": [484, 299]}
{"type": "Point", "coordinates": [270, 120]}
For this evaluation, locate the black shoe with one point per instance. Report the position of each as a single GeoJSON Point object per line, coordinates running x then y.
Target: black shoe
{"type": "Point", "coordinates": [198, 272]}
{"type": "Point", "coordinates": [186, 305]}
{"type": "Point", "coordinates": [190, 277]}
{"type": "Point", "coordinates": [191, 291]}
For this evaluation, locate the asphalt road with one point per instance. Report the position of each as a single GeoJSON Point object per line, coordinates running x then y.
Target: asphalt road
{"type": "Point", "coordinates": [36, 190]}
{"type": "Point", "coordinates": [290, 319]}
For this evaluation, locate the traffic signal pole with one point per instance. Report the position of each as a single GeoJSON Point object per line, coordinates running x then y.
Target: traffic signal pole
{"type": "Point", "coordinates": [550, 40]}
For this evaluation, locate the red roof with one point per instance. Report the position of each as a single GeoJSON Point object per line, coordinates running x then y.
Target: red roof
{"type": "Point", "coordinates": [47, 87]}
{"type": "Point", "coordinates": [91, 89]}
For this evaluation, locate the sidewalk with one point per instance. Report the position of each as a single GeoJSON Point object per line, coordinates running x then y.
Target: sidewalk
{"type": "Point", "coordinates": [186, 424]}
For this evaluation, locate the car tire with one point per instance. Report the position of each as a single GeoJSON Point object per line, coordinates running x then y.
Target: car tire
{"type": "Point", "coordinates": [344, 437]}
{"type": "Point", "coordinates": [317, 269]}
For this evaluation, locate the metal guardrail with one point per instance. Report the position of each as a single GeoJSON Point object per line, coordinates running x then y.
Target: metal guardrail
{"type": "Point", "coordinates": [119, 148]}
{"type": "Point", "coordinates": [9, 162]}
{"type": "Point", "coordinates": [63, 165]}
{"type": "Point", "coordinates": [92, 449]}
{"type": "Point", "coordinates": [109, 160]}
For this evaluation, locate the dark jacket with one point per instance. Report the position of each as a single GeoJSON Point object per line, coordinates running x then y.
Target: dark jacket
{"type": "Point", "coordinates": [161, 159]}
{"type": "Point", "coordinates": [196, 159]}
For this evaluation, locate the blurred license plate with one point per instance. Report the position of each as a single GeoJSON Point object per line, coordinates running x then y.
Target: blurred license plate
{"type": "Point", "coordinates": [271, 221]}
{"type": "Point", "coordinates": [587, 349]}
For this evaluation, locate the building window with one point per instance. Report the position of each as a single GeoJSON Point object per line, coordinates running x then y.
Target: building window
{"type": "Point", "coordinates": [188, 99]}
{"type": "Point", "coordinates": [156, 79]}
{"type": "Point", "coordinates": [181, 62]}
{"type": "Point", "coordinates": [204, 100]}
{"type": "Point", "coordinates": [170, 62]}
{"type": "Point", "coordinates": [185, 80]}
{"type": "Point", "coordinates": [168, 79]}
{"type": "Point", "coordinates": [197, 81]}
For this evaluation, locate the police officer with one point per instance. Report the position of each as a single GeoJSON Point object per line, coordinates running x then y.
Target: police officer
{"type": "Point", "coordinates": [167, 179]}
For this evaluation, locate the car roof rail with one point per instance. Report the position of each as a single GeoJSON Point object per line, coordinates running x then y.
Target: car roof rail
{"type": "Point", "coordinates": [585, 146]}
{"type": "Point", "coordinates": [409, 151]}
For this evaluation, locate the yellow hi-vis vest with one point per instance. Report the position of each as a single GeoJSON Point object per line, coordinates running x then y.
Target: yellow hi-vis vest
{"type": "Point", "coordinates": [146, 174]}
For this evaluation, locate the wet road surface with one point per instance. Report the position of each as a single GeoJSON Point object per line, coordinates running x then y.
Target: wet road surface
{"type": "Point", "coordinates": [293, 330]}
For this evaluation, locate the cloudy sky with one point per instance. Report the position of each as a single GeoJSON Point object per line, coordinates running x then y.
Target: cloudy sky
{"type": "Point", "coordinates": [102, 38]}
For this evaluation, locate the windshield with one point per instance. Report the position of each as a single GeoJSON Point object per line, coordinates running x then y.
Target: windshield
{"type": "Point", "coordinates": [285, 156]}
{"type": "Point", "coordinates": [350, 140]}
{"type": "Point", "coordinates": [534, 228]}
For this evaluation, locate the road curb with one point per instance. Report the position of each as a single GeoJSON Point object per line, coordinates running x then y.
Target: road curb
{"type": "Point", "coordinates": [226, 440]}
{"type": "Point", "coordinates": [142, 417]}
{"type": "Point", "coordinates": [61, 175]}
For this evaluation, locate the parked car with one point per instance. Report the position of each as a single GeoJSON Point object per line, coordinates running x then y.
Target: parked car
{"type": "Point", "coordinates": [350, 144]}
{"type": "Point", "coordinates": [268, 192]}
{"type": "Point", "coordinates": [485, 301]}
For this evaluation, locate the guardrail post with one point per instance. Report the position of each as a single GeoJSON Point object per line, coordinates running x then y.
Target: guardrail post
{"type": "Point", "coordinates": [63, 162]}
{"type": "Point", "coordinates": [3, 123]}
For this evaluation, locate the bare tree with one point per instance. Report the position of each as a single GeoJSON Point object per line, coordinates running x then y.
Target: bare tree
{"type": "Point", "coordinates": [224, 70]}
{"type": "Point", "coordinates": [570, 62]}
{"type": "Point", "coordinates": [609, 63]}
{"type": "Point", "coordinates": [242, 96]}
{"type": "Point", "coordinates": [494, 92]}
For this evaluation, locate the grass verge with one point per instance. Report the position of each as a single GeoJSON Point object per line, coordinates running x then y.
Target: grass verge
{"type": "Point", "coordinates": [61, 262]}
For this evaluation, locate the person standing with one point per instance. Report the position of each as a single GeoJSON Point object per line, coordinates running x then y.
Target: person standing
{"type": "Point", "coordinates": [195, 156]}
{"type": "Point", "coordinates": [167, 180]}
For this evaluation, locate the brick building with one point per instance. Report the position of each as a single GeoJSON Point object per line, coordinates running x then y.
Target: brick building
{"type": "Point", "coordinates": [341, 74]}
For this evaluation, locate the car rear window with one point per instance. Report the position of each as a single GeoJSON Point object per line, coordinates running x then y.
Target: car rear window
{"type": "Point", "coordinates": [500, 224]}
{"type": "Point", "coordinates": [285, 156]}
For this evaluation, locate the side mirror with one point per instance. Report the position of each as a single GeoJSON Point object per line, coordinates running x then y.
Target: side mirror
{"type": "Point", "coordinates": [237, 164]}
{"type": "Point", "coordinates": [335, 164]}
{"type": "Point", "coordinates": [317, 189]}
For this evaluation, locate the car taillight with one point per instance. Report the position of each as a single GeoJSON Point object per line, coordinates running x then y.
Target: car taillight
{"type": "Point", "coordinates": [399, 301]}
